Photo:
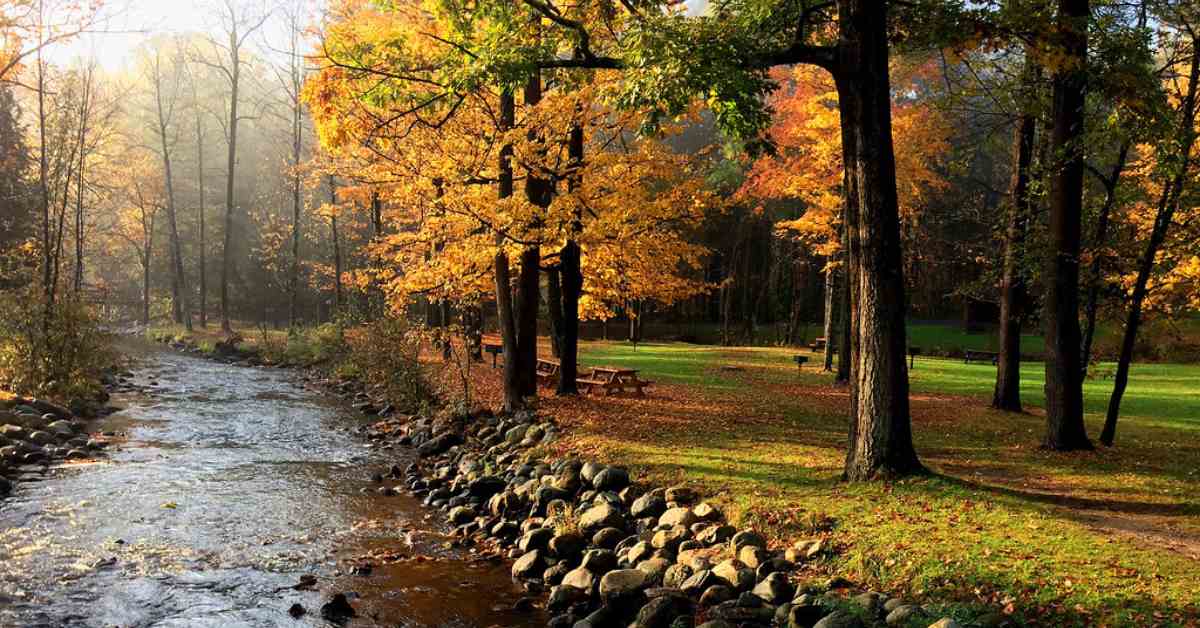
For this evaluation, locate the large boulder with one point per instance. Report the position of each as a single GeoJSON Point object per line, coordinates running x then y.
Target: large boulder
{"type": "Point", "coordinates": [486, 486]}
{"type": "Point", "coordinates": [439, 444]}
{"type": "Point", "coordinates": [621, 584]}
{"type": "Point", "coordinates": [662, 610]}
{"type": "Point", "coordinates": [839, 619]}
{"type": "Point", "coordinates": [528, 566]}
{"type": "Point", "coordinates": [611, 479]}
{"type": "Point", "coordinates": [601, 516]}
{"type": "Point", "coordinates": [681, 516]}
{"type": "Point", "coordinates": [651, 504]}
{"type": "Point", "coordinates": [775, 589]}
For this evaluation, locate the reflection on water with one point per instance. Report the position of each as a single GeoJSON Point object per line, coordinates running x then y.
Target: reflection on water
{"type": "Point", "coordinates": [233, 484]}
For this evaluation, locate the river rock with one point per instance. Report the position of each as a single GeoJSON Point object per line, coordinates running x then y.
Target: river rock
{"type": "Point", "coordinates": [621, 584]}
{"type": "Point", "coordinates": [581, 578]}
{"type": "Point", "coordinates": [676, 575]}
{"type": "Point", "coordinates": [536, 539]}
{"type": "Point", "coordinates": [337, 609]}
{"type": "Point", "coordinates": [705, 511]}
{"type": "Point", "coordinates": [439, 444]}
{"type": "Point", "coordinates": [716, 535]}
{"type": "Point", "coordinates": [611, 479]}
{"type": "Point", "coordinates": [903, 615]}
{"type": "Point", "coordinates": [567, 545]}
{"type": "Point", "coordinates": [651, 504]}
{"type": "Point", "coordinates": [460, 515]}
{"type": "Point", "coordinates": [607, 538]}
{"type": "Point", "coordinates": [563, 597]}
{"type": "Point", "coordinates": [839, 619]}
{"type": "Point", "coordinates": [601, 516]}
{"type": "Point", "coordinates": [945, 622]}
{"type": "Point", "coordinates": [655, 569]}
{"type": "Point", "coordinates": [700, 582]}
{"type": "Point", "coordinates": [747, 537]}
{"type": "Point", "coordinates": [670, 538]}
{"type": "Point", "coordinates": [681, 516]}
{"type": "Point", "coordinates": [662, 610]}
{"type": "Point", "coordinates": [599, 561]}
{"type": "Point", "coordinates": [515, 434]}
{"type": "Point", "coordinates": [716, 594]}
{"type": "Point", "coordinates": [775, 589]}
{"type": "Point", "coordinates": [529, 565]}
{"type": "Point", "coordinates": [727, 570]}
{"type": "Point", "coordinates": [486, 486]}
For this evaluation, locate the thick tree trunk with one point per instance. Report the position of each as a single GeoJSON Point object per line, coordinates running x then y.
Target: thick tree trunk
{"type": "Point", "coordinates": [571, 278]}
{"type": "Point", "coordinates": [513, 399]}
{"type": "Point", "coordinates": [880, 429]}
{"type": "Point", "coordinates": [539, 192]}
{"type": "Point", "coordinates": [1167, 205]}
{"type": "Point", "coordinates": [1065, 430]}
{"type": "Point", "coordinates": [1007, 394]}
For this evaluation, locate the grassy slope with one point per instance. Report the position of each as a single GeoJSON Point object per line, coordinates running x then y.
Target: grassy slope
{"type": "Point", "coordinates": [999, 521]}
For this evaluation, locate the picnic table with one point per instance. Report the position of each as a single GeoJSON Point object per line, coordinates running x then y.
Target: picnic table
{"type": "Point", "coordinates": [981, 356]}
{"type": "Point", "coordinates": [493, 345]}
{"type": "Point", "coordinates": [818, 344]}
{"type": "Point", "coordinates": [547, 370]}
{"type": "Point", "coordinates": [612, 380]}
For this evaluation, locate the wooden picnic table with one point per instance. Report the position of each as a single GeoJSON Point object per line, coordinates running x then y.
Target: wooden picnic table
{"type": "Point", "coordinates": [493, 345]}
{"type": "Point", "coordinates": [610, 380]}
{"type": "Point", "coordinates": [547, 370]}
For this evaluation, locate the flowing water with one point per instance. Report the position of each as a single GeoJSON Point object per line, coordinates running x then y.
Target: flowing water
{"type": "Point", "coordinates": [229, 486]}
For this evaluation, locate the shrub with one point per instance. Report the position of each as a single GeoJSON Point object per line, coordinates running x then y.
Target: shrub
{"type": "Point", "coordinates": [59, 352]}
{"type": "Point", "coordinates": [386, 355]}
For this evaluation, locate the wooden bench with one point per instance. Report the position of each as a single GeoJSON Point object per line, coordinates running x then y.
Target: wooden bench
{"type": "Point", "coordinates": [493, 345]}
{"type": "Point", "coordinates": [819, 344]}
{"type": "Point", "coordinates": [547, 371]}
{"type": "Point", "coordinates": [801, 360]}
{"type": "Point", "coordinates": [981, 356]}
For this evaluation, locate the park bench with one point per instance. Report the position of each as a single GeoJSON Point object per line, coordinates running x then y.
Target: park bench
{"type": "Point", "coordinates": [981, 356]}
{"type": "Point", "coordinates": [493, 345]}
{"type": "Point", "coordinates": [613, 380]}
{"type": "Point", "coordinates": [819, 344]}
{"type": "Point", "coordinates": [547, 371]}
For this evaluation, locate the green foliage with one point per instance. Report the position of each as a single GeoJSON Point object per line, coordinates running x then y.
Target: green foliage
{"type": "Point", "coordinates": [385, 354]}
{"type": "Point", "coordinates": [57, 352]}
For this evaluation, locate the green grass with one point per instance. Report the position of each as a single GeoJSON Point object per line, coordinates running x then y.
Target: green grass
{"type": "Point", "coordinates": [1067, 539]}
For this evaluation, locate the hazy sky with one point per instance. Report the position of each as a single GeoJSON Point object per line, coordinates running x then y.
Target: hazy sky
{"type": "Point", "coordinates": [130, 22]}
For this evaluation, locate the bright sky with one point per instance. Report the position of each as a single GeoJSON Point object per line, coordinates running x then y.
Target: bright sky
{"type": "Point", "coordinates": [131, 22]}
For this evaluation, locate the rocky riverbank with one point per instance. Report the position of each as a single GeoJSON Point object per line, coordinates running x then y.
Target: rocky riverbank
{"type": "Point", "coordinates": [597, 549]}
{"type": "Point", "coordinates": [38, 432]}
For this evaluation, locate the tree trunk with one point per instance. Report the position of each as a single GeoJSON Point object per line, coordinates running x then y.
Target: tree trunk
{"type": "Point", "coordinates": [147, 255]}
{"type": "Point", "coordinates": [1065, 430]}
{"type": "Point", "coordinates": [294, 278]}
{"type": "Point", "coordinates": [830, 319]}
{"type": "Point", "coordinates": [337, 251]}
{"type": "Point", "coordinates": [180, 307]}
{"type": "Point", "coordinates": [203, 253]}
{"type": "Point", "coordinates": [1007, 394]}
{"type": "Point", "coordinates": [571, 278]}
{"type": "Point", "coordinates": [1095, 277]}
{"type": "Point", "coordinates": [1167, 205]}
{"type": "Point", "coordinates": [880, 430]}
{"type": "Point", "coordinates": [230, 167]}
{"type": "Point", "coordinates": [539, 192]}
{"type": "Point", "coordinates": [554, 308]}
{"type": "Point", "coordinates": [844, 329]}
{"type": "Point", "coordinates": [513, 399]}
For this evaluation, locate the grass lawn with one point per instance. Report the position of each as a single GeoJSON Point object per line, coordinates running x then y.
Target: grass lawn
{"type": "Point", "coordinates": [1104, 538]}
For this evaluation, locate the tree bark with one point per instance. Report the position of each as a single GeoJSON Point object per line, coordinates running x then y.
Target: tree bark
{"type": "Point", "coordinates": [180, 307]}
{"type": "Point", "coordinates": [1065, 430]}
{"type": "Point", "coordinates": [1167, 205]}
{"type": "Point", "coordinates": [230, 167]}
{"type": "Point", "coordinates": [539, 192]}
{"type": "Point", "coordinates": [513, 399]}
{"type": "Point", "coordinates": [1007, 393]}
{"type": "Point", "coordinates": [880, 429]}
{"type": "Point", "coordinates": [203, 253]}
{"type": "Point", "coordinates": [830, 319]}
{"type": "Point", "coordinates": [844, 330]}
{"type": "Point", "coordinates": [1095, 277]}
{"type": "Point", "coordinates": [554, 309]}
{"type": "Point", "coordinates": [337, 250]}
{"type": "Point", "coordinates": [571, 277]}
